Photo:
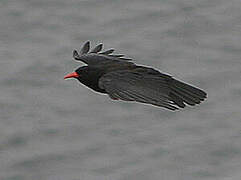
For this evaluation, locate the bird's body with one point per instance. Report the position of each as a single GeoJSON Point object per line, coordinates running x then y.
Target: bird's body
{"type": "Point", "coordinates": [124, 80]}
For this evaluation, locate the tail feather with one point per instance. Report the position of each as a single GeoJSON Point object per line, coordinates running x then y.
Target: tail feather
{"type": "Point", "coordinates": [198, 92]}
{"type": "Point", "coordinates": [184, 98]}
{"type": "Point", "coordinates": [183, 93]}
{"type": "Point", "coordinates": [177, 100]}
{"type": "Point", "coordinates": [187, 94]}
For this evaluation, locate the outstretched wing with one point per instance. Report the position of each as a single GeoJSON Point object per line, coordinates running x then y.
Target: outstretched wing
{"type": "Point", "coordinates": [134, 86]}
{"type": "Point", "coordinates": [161, 90]}
{"type": "Point", "coordinates": [94, 56]}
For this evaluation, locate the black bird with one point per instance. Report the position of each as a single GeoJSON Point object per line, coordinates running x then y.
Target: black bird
{"type": "Point", "coordinates": [117, 76]}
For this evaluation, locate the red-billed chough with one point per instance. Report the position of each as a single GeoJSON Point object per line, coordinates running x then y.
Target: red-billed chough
{"type": "Point", "coordinates": [121, 79]}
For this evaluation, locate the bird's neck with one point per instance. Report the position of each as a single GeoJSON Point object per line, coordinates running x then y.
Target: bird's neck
{"type": "Point", "coordinates": [92, 81]}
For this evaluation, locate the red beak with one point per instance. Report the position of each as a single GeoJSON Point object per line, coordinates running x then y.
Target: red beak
{"type": "Point", "coordinates": [71, 75]}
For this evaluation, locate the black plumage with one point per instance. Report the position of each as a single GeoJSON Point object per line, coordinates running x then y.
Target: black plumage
{"type": "Point", "coordinates": [121, 79]}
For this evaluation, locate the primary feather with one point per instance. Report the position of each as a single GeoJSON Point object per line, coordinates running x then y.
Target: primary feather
{"type": "Point", "coordinates": [95, 56]}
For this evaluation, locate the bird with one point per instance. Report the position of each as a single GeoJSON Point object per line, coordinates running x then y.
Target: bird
{"type": "Point", "coordinates": [121, 79]}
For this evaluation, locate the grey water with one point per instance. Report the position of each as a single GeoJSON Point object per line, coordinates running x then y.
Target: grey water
{"type": "Point", "coordinates": [56, 129]}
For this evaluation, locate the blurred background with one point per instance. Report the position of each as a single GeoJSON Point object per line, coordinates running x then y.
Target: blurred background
{"type": "Point", "coordinates": [55, 129]}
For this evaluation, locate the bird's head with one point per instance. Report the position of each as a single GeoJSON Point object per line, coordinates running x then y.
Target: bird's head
{"type": "Point", "coordinates": [80, 73]}
{"type": "Point", "coordinates": [87, 76]}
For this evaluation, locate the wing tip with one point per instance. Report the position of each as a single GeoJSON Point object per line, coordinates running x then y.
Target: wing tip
{"type": "Point", "coordinates": [97, 50]}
